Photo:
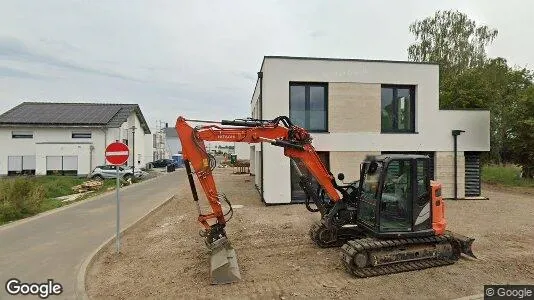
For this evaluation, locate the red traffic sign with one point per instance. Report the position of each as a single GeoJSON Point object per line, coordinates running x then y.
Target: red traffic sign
{"type": "Point", "coordinates": [117, 153]}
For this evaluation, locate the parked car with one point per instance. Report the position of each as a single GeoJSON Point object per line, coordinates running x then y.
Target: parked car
{"type": "Point", "coordinates": [107, 171]}
{"type": "Point", "coordinates": [162, 163]}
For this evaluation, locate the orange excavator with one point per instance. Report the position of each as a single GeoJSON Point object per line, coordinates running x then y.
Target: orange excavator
{"type": "Point", "coordinates": [391, 220]}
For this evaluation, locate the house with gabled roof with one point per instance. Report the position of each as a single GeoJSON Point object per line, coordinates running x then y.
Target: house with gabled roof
{"type": "Point", "coordinates": [70, 138]}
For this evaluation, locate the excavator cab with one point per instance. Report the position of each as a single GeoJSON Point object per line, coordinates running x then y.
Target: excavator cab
{"type": "Point", "coordinates": [395, 196]}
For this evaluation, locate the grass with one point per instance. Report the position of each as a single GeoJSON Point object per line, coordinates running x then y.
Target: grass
{"type": "Point", "coordinates": [507, 175]}
{"type": "Point", "coordinates": [15, 205]}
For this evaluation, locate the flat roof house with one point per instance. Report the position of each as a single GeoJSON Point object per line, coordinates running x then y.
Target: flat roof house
{"type": "Point", "coordinates": [355, 108]}
{"type": "Point", "coordinates": [69, 138]}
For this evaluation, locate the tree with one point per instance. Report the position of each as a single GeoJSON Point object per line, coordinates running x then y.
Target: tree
{"type": "Point", "coordinates": [450, 39]}
{"type": "Point", "coordinates": [522, 133]}
{"type": "Point", "coordinates": [468, 79]}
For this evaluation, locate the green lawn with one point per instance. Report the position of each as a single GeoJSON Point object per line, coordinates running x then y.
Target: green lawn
{"type": "Point", "coordinates": [507, 175]}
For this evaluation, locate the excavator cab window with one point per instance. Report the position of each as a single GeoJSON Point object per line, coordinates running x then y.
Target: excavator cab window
{"type": "Point", "coordinates": [370, 183]}
{"type": "Point", "coordinates": [397, 195]}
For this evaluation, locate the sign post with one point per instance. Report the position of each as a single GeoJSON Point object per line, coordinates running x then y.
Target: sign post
{"type": "Point", "coordinates": [117, 154]}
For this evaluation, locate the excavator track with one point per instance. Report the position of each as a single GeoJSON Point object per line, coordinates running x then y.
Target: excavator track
{"type": "Point", "coordinates": [358, 255]}
{"type": "Point", "coordinates": [324, 238]}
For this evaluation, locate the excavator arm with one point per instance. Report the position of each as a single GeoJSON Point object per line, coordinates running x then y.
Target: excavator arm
{"type": "Point", "coordinates": [279, 132]}
{"type": "Point", "coordinates": [296, 142]}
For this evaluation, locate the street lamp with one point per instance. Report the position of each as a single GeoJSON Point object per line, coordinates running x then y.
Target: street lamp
{"type": "Point", "coordinates": [133, 150]}
{"type": "Point", "coordinates": [455, 134]}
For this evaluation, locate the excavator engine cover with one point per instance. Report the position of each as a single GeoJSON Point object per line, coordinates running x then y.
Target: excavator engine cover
{"type": "Point", "coordinates": [223, 263]}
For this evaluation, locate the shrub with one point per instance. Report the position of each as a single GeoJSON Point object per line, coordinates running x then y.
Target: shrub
{"type": "Point", "coordinates": [509, 175]}
{"type": "Point", "coordinates": [19, 198]}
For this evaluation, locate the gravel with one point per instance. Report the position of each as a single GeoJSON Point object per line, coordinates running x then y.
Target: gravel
{"type": "Point", "coordinates": [164, 257]}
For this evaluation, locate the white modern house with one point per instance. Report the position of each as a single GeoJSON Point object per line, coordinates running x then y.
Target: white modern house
{"type": "Point", "coordinates": [355, 108]}
{"type": "Point", "coordinates": [69, 138]}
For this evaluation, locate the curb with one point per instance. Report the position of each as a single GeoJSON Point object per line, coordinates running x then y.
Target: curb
{"type": "Point", "coordinates": [80, 292]}
{"type": "Point", "coordinates": [55, 210]}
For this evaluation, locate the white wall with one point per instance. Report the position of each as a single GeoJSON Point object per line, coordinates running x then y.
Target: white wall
{"type": "Point", "coordinates": [242, 150]}
{"type": "Point", "coordinates": [59, 142]}
{"type": "Point", "coordinates": [433, 126]}
{"type": "Point", "coordinates": [53, 142]}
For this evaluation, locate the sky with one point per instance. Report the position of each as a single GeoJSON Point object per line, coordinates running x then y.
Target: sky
{"type": "Point", "coordinates": [199, 58]}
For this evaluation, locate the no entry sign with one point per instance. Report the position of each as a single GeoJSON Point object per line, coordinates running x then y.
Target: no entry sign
{"type": "Point", "coordinates": [117, 153]}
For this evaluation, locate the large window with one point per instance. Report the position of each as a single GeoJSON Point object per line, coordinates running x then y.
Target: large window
{"type": "Point", "coordinates": [398, 108]}
{"type": "Point", "coordinates": [17, 165]}
{"type": "Point", "coordinates": [297, 194]}
{"type": "Point", "coordinates": [308, 105]}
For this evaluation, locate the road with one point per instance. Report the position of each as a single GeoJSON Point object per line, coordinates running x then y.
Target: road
{"type": "Point", "coordinates": [55, 245]}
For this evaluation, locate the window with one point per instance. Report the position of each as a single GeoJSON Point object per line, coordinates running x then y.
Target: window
{"type": "Point", "coordinates": [308, 105]}
{"type": "Point", "coordinates": [81, 135]}
{"type": "Point", "coordinates": [21, 165]}
{"type": "Point", "coordinates": [396, 206]}
{"type": "Point", "coordinates": [22, 134]}
{"type": "Point", "coordinates": [398, 108]}
{"type": "Point", "coordinates": [297, 194]}
{"type": "Point", "coordinates": [61, 165]}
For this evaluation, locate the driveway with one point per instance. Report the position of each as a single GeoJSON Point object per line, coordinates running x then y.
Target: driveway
{"type": "Point", "coordinates": [55, 245]}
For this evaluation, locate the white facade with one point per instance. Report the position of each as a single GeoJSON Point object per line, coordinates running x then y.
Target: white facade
{"type": "Point", "coordinates": [353, 133]}
{"type": "Point", "coordinates": [50, 147]}
{"type": "Point", "coordinates": [242, 150]}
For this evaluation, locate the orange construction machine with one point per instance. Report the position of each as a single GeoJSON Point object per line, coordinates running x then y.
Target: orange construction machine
{"type": "Point", "coordinates": [391, 220]}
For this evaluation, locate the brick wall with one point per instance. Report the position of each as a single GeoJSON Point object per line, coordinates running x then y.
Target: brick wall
{"type": "Point", "coordinates": [444, 165]}
{"type": "Point", "coordinates": [353, 107]}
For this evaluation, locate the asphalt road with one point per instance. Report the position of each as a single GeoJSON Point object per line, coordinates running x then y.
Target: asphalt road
{"type": "Point", "coordinates": [55, 245]}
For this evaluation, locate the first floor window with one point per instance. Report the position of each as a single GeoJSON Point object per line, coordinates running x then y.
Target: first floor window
{"type": "Point", "coordinates": [398, 108]}
{"type": "Point", "coordinates": [22, 134]}
{"type": "Point", "coordinates": [308, 105]}
{"type": "Point", "coordinates": [81, 135]}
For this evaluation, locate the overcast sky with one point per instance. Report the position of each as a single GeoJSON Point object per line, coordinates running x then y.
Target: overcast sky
{"type": "Point", "coordinates": [200, 58]}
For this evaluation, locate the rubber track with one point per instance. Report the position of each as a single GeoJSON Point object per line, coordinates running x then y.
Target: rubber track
{"type": "Point", "coordinates": [353, 247]}
{"type": "Point", "coordinates": [314, 235]}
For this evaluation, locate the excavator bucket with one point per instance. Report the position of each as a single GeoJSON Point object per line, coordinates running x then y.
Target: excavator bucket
{"type": "Point", "coordinates": [223, 265]}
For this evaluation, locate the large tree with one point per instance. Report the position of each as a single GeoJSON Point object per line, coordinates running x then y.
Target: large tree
{"type": "Point", "coordinates": [468, 79]}
{"type": "Point", "coordinates": [450, 39]}
{"type": "Point", "coordinates": [521, 133]}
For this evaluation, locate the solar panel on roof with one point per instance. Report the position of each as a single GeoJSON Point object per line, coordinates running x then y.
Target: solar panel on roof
{"type": "Point", "coordinates": [56, 113]}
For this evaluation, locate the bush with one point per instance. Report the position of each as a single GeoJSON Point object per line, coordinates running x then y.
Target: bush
{"type": "Point", "coordinates": [509, 175]}
{"type": "Point", "coordinates": [19, 198]}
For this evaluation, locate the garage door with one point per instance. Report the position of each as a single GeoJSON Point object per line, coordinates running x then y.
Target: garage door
{"type": "Point", "coordinates": [472, 174]}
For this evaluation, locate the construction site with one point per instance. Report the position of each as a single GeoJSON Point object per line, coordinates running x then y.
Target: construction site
{"type": "Point", "coordinates": [393, 220]}
{"type": "Point", "coordinates": [164, 257]}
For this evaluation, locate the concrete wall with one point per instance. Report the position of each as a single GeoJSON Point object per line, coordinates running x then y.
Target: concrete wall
{"type": "Point", "coordinates": [354, 88]}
